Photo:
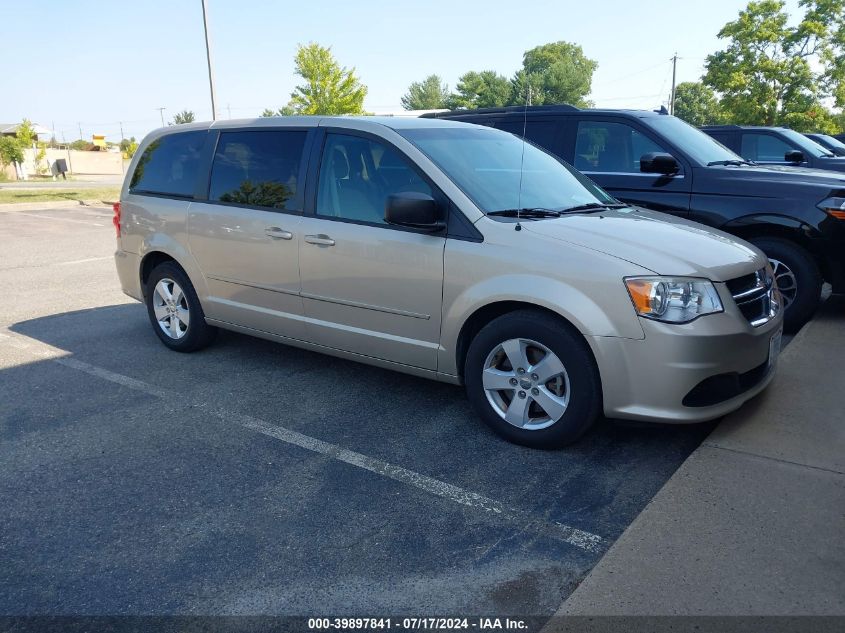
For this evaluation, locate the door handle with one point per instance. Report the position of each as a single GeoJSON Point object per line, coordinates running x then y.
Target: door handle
{"type": "Point", "coordinates": [319, 240]}
{"type": "Point", "coordinates": [277, 233]}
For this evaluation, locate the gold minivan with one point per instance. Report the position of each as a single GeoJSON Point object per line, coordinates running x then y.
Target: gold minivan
{"type": "Point", "coordinates": [449, 251]}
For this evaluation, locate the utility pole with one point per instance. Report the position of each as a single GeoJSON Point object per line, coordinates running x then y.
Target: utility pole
{"type": "Point", "coordinates": [229, 110]}
{"type": "Point", "coordinates": [161, 113]}
{"type": "Point", "coordinates": [121, 130]}
{"type": "Point", "coordinates": [674, 68]}
{"type": "Point", "coordinates": [208, 57]}
{"type": "Point", "coordinates": [80, 129]}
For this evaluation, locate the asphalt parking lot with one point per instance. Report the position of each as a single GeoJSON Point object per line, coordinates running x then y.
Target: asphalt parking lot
{"type": "Point", "coordinates": [254, 478]}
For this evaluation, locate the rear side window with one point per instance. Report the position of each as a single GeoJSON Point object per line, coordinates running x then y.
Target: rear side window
{"type": "Point", "coordinates": [169, 165]}
{"type": "Point", "coordinates": [257, 168]}
{"type": "Point", "coordinates": [542, 133]}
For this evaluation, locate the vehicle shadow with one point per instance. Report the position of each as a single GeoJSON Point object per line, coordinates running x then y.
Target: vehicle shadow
{"type": "Point", "coordinates": [600, 483]}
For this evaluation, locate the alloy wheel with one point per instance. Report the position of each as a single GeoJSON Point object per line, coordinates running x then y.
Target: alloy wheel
{"type": "Point", "coordinates": [785, 280]}
{"type": "Point", "coordinates": [170, 306]}
{"type": "Point", "coordinates": [526, 384]}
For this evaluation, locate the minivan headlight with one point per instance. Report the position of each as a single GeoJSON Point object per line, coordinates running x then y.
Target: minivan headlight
{"type": "Point", "coordinates": [673, 299]}
{"type": "Point", "coordinates": [834, 206]}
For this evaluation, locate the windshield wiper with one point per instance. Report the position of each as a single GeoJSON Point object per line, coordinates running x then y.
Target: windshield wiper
{"type": "Point", "coordinates": [734, 162]}
{"type": "Point", "coordinates": [594, 206]}
{"type": "Point", "coordinates": [534, 213]}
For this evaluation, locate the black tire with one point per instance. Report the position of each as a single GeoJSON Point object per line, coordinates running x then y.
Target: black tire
{"type": "Point", "coordinates": [198, 333]}
{"type": "Point", "coordinates": [585, 394]}
{"type": "Point", "coordinates": [807, 277]}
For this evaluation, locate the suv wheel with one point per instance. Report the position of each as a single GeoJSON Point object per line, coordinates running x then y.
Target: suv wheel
{"type": "Point", "coordinates": [798, 279]}
{"type": "Point", "coordinates": [533, 380]}
{"type": "Point", "coordinates": [175, 311]}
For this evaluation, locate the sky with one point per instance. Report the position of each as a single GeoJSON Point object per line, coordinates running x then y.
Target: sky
{"type": "Point", "coordinates": [96, 64]}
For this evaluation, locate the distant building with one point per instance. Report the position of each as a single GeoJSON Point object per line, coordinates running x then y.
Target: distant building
{"type": "Point", "coordinates": [10, 129]}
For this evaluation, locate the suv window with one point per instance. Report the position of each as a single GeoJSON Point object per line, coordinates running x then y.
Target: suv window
{"type": "Point", "coordinates": [357, 175]}
{"type": "Point", "coordinates": [764, 147]}
{"type": "Point", "coordinates": [169, 165]}
{"type": "Point", "coordinates": [257, 168]}
{"type": "Point", "coordinates": [611, 147]}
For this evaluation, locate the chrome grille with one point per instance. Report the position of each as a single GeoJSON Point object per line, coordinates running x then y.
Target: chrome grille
{"type": "Point", "coordinates": [756, 296]}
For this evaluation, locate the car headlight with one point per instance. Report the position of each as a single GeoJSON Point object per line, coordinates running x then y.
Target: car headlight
{"type": "Point", "coordinates": [833, 206]}
{"type": "Point", "coordinates": [673, 299]}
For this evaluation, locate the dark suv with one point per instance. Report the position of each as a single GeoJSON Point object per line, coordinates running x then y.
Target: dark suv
{"type": "Point", "coordinates": [775, 146]}
{"type": "Point", "coordinates": [650, 159]}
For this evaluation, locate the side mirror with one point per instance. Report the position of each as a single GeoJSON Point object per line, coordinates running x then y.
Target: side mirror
{"type": "Point", "coordinates": [414, 210]}
{"type": "Point", "coordinates": [659, 163]}
{"type": "Point", "coordinates": [794, 156]}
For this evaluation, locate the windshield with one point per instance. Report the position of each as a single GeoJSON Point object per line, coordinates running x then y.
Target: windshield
{"type": "Point", "coordinates": [831, 141]}
{"type": "Point", "coordinates": [804, 144]}
{"type": "Point", "coordinates": [699, 146]}
{"type": "Point", "coordinates": [487, 165]}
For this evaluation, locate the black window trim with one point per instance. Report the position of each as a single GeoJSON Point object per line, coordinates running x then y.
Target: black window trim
{"type": "Point", "coordinates": [204, 185]}
{"type": "Point", "coordinates": [172, 196]}
{"type": "Point", "coordinates": [469, 232]}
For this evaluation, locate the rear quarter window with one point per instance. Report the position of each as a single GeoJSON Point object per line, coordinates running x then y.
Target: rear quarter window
{"type": "Point", "coordinates": [169, 165]}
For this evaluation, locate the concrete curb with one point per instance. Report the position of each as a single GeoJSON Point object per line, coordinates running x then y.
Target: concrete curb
{"type": "Point", "coordinates": [752, 522]}
{"type": "Point", "coordinates": [57, 204]}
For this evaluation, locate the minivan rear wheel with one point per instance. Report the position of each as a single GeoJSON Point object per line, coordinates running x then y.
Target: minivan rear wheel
{"type": "Point", "coordinates": [532, 378]}
{"type": "Point", "coordinates": [797, 277]}
{"type": "Point", "coordinates": [175, 311]}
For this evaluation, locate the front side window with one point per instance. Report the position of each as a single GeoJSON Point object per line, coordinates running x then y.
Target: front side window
{"type": "Point", "coordinates": [257, 168]}
{"type": "Point", "coordinates": [764, 147]}
{"type": "Point", "coordinates": [611, 147]}
{"type": "Point", "coordinates": [169, 165]}
{"type": "Point", "coordinates": [357, 175]}
{"type": "Point", "coordinates": [498, 171]}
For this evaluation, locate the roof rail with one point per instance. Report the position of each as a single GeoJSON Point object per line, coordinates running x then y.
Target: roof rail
{"type": "Point", "coordinates": [561, 107]}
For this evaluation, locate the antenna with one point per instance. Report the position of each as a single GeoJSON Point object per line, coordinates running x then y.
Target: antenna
{"type": "Point", "coordinates": [518, 226]}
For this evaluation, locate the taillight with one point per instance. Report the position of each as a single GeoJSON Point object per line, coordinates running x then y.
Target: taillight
{"type": "Point", "coordinates": [116, 219]}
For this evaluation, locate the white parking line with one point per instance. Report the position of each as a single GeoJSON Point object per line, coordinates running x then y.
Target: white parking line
{"type": "Point", "coordinates": [85, 261]}
{"type": "Point", "coordinates": [568, 534]}
{"type": "Point", "coordinates": [53, 217]}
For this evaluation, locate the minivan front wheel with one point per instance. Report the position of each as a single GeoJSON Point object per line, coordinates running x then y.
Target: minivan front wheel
{"type": "Point", "coordinates": [533, 380]}
{"type": "Point", "coordinates": [175, 311]}
{"type": "Point", "coordinates": [797, 277]}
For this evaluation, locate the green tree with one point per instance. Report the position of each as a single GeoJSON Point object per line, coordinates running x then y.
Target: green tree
{"type": "Point", "coordinates": [771, 69]}
{"type": "Point", "coordinates": [558, 72]}
{"type": "Point", "coordinates": [697, 104]}
{"type": "Point", "coordinates": [128, 147]}
{"type": "Point", "coordinates": [329, 88]}
{"type": "Point", "coordinates": [185, 116]}
{"type": "Point", "coordinates": [10, 150]}
{"type": "Point", "coordinates": [283, 111]}
{"type": "Point", "coordinates": [429, 94]}
{"type": "Point", "coordinates": [25, 134]}
{"type": "Point", "coordinates": [485, 89]}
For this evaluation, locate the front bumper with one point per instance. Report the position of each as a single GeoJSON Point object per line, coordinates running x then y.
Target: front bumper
{"type": "Point", "coordinates": [833, 253]}
{"type": "Point", "coordinates": [687, 373]}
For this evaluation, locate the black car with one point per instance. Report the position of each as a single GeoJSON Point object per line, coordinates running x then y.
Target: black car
{"type": "Point", "coordinates": [831, 143]}
{"type": "Point", "coordinates": [775, 146]}
{"type": "Point", "coordinates": [650, 159]}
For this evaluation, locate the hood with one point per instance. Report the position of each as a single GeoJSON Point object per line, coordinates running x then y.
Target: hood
{"type": "Point", "coordinates": [834, 163]}
{"type": "Point", "coordinates": [781, 175]}
{"type": "Point", "coordinates": [661, 243]}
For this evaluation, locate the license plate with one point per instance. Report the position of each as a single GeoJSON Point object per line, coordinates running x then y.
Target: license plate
{"type": "Point", "coordinates": [774, 348]}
